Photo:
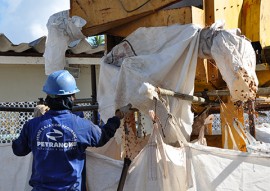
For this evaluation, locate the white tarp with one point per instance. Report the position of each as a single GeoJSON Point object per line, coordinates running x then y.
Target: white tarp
{"type": "Point", "coordinates": [193, 168]}
{"type": "Point", "coordinates": [162, 56]}
{"type": "Point", "coordinates": [217, 169]}
{"type": "Point", "coordinates": [234, 57]}
{"type": "Point", "coordinates": [14, 171]}
{"type": "Point", "coordinates": [157, 167]}
{"type": "Point", "coordinates": [213, 169]}
{"type": "Point", "coordinates": [263, 132]}
{"type": "Point", "coordinates": [236, 61]}
{"type": "Point", "coordinates": [62, 30]}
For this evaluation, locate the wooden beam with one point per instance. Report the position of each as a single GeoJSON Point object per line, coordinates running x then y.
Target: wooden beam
{"type": "Point", "coordinates": [229, 10]}
{"type": "Point", "coordinates": [103, 15]}
{"type": "Point", "coordinates": [184, 15]}
{"type": "Point", "coordinates": [255, 21]}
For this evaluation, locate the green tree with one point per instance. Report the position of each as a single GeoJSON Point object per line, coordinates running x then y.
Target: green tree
{"type": "Point", "coordinates": [96, 41]}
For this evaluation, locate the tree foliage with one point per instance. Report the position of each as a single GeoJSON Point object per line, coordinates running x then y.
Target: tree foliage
{"type": "Point", "coordinates": [96, 40]}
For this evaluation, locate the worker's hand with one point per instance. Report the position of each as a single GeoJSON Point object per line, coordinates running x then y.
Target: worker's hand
{"type": "Point", "coordinates": [122, 111]}
{"type": "Point", "coordinates": [40, 110]}
{"type": "Point", "coordinates": [119, 114]}
{"type": "Point", "coordinates": [126, 108]}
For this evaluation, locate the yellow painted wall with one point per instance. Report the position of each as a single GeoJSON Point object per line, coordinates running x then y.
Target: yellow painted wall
{"type": "Point", "coordinates": [19, 83]}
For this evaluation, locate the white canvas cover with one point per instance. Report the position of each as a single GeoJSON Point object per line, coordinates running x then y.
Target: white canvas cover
{"type": "Point", "coordinates": [62, 30]}
{"type": "Point", "coordinates": [193, 167]}
{"type": "Point", "coordinates": [162, 56]}
{"type": "Point", "coordinates": [157, 167]}
{"type": "Point", "coordinates": [212, 169]}
{"type": "Point", "coordinates": [234, 57]}
{"type": "Point", "coordinates": [263, 132]}
{"type": "Point", "coordinates": [236, 60]}
{"type": "Point", "coordinates": [217, 169]}
{"type": "Point", "coordinates": [14, 171]}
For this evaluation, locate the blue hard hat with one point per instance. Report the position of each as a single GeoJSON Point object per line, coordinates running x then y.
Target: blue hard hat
{"type": "Point", "coordinates": [60, 83]}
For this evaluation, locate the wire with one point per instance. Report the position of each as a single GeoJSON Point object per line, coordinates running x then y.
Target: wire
{"type": "Point", "coordinates": [135, 9]}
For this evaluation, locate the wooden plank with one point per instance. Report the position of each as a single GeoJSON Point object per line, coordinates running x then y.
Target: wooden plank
{"type": "Point", "coordinates": [213, 78]}
{"type": "Point", "coordinates": [201, 71]}
{"type": "Point", "coordinates": [102, 15]}
{"type": "Point", "coordinates": [184, 15]}
{"type": "Point", "coordinates": [228, 10]}
{"type": "Point", "coordinates": [203, 80]}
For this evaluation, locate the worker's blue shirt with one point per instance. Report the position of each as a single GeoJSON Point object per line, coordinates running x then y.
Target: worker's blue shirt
{"type": "Point", "coordinates": [58, 140]}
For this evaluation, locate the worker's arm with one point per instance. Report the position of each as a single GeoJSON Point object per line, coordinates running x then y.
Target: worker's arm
{"type": "Point", "coordinates": [108, 130]}
{"type": "Point", "coordinates": [111, 126]}
{"type": "Point", "coordinates": [20, 146]}
{"type": "Point", "coordinates": [92, 135]}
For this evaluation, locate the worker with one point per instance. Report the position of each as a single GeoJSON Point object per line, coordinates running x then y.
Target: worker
{"type": "Point", "coordinates": [58, 139]}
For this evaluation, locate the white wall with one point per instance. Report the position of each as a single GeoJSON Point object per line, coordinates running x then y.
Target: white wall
{"type": "Point", "coordinates": [24, 82]}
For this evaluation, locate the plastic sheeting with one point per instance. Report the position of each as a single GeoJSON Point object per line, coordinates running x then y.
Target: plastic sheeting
{"type": "Point", "coordinates": [157, 167]}
{"type": "Point", "coordinates": [14, 171]}
{"type": "Point", "coordinates": [210, 168]}
{"type": "Point", "coordinates": [234, 57]}
{"type": "Point", "coordinates": [62, 30]}
{"type": "Point", "coordinates": [217, 169]}
{"type": "Point", "coordinates": [236, 60]}
{"type": "Point", "coordinates": [193, 167]}
{"type": "Point", "coordinates": [263, 132]}
{"type": "Point", "coordinates": [164, 57]}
